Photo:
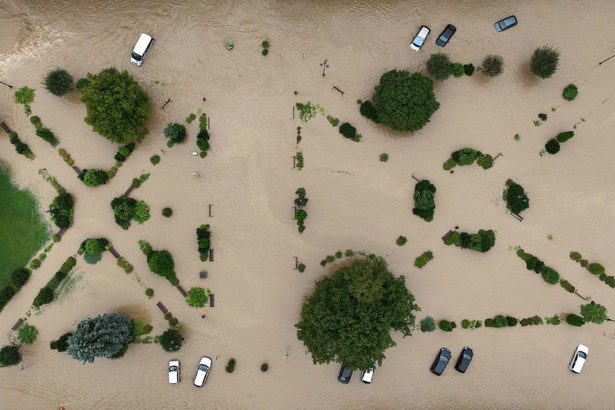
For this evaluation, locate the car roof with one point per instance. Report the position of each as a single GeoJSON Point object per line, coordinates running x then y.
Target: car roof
{"type": "Point", "coordinates": [206, 361]}
{"type": "Point", "coordinates": [173, 362]}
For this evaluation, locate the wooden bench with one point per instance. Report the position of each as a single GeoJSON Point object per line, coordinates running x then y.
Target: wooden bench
{"type": "Point", "coordinates": [129, 190]}
{"type": "Point", "coordinates": [76, 169]}
{"type": "Point", "coordinates": [446, 235]}
{"type": "Point", "coordinates": [211, 300]}
{"type": "Point", "coordinates": [5, 127]}
{"type": "Point", "coordinates": [161, 306]}
{"type": "Point", "coordinates": [211, 255]}
{"type": "Point", "coordinates": [16, 325]}
{"type": "Point", "coordinates": [181, 290]}
{"type": "Point", "coordinates": [114, 252]}
{"type": "Point", "coordinates": [517, 216]}
{"type": "Point", "coordinates": [61, 232]}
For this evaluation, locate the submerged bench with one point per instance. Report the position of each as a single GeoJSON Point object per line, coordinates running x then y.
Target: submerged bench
{"type": "Point", "coordinates": [61, 232]}
{"type": "Point", "coordinates": [211, 300]}
{"type": "Point", "coordinates": [181, 290]}
{"type": "Point", "coordinates": [446, 235]}
{"type": "Point", "coordinates": [114, 252]}
{"type": "Point", "coordinates": [16, 325]}
{"type": "Point", "coordinates": [129, 190]}
{"type": "Point", "coordinates": [161, 306]}
{"type": "Point", "coordinates": [5, 127]}
{"type": "Point", "coordinates": [76, 169]}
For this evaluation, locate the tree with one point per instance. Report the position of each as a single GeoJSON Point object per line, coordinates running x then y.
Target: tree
{"type": "Point", "coordinates": [171, 340]}
{"type": "Point", "coordinates": [197, 297]}
{"type": "Point", "coordinates": [95, 177]}
{"type": "Point", "coordinates": [351, 313]}
{"type": "Point", "coordinates": [117, 107]}
{"type": "Point", "coordinates": [424, 200]}
{"type": "Point", "coordinates": [24, 96]}
{"type": "Point", "coordinates": [27, 334]}
{"type": "Point", "coordinates": [492, 65]}
{"type": "Point", "coordinates": [552, 146]}
{"type": "Point", "coordinates": [593, 312]}
{"type": "Point", "coordinates": [94, 246]}
{"type": "Point", "coordinates": [570, 92]}
{"type": "Point", "coordinates": [10, 355]}
{"type": "Point", "coordinates": [45, 295]}
{"type": "Point", "coordinates": [404, 101]}
{"type": "Point", "coordinates": [141, 212]}
{"type": "Point", "coordinates": [439, 66]}
{"type": "Point", "coordinates": [544, 61]}
{"type": "Point", "coordinates": [102, 336]}
{"type": "Point", "coordinates": [58, 82]}
{"type": "Point", "coordinates": [516, 198]}
{"type": "Point", "coordinates": [175, 132]}
{"type": "Point", "coordinates": [161, 263]}
{"type": "Point", "coordinates": [20, 277]}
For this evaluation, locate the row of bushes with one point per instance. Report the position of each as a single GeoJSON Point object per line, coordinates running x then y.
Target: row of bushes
{"type": "Point", "coordinates": [159, 262]}
{"type": "Point", "coordinates": [136, 182]}
{"type": "Point", "coordinates": [202, 138]}
{"type": "Point", "coordinates": [515, 196]}
{"type": "Point", "coordinates": [499, 321]}
{"type": "Point", "coordinates": [203, 238]}
{"type": "Point", "coordinates": [45, 295]}
{"type": "Point", "coordinates": [424, 200]}
{"type": "Point", "coordinates": [299, 157]}
{"type": "Point", "coordinates": [340, 254]}
{"type": "Point", "coordinates": [480, 242]}
{"type": "Point", "coordinates": [553, 145]}
{"type": "Point", "coordinates": [127, 209]}
{"type": "Point", "coordinates": [594, 268]}
{"type": "Point", "coordinates": [440, 67]}
{"type": "Point", "coordinates": [467, 156]}
{"type": "Point", "coordinates": [47, 135]}
{"type": "Point", "coordinates": [422, 260]}
{"type": "Point", "coordinates": [21, 147]}
{"type": "Point", "coordinates": [124, 152]}
{"type": "Point", "coordinates": [300, 213]}
{"type": "Point", "coordinates": [550, 275]}
{"type": "Point", "coordinates": [66, 156]}
{"type": "Point", "coordinates": [61, 210]}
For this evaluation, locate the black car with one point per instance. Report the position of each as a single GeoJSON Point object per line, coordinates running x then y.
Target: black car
{"type": "Point", "coordinates": [464, 360]}
{"type": "Point", "coordinates": [345, 374]}
{"type": "Point", "coordinates": [505, 24]}
{"type": "Point", "coordinates": [446, 35]}
{"type": "Point", "coordinates": [441, 361]}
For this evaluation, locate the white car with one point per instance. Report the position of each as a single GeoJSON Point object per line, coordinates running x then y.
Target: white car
{"type": "Point", "coordinates": [578, 359]}
{"type": "Point", "coordinates": [202, 371]}
{"type": "Point", "coordinates": [173, 371]}
{"type": "Point", "coordinates": [367, 376]}
{"type": "Point", "coordinates": [420, 38]}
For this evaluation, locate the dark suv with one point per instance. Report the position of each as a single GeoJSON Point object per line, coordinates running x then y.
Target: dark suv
{"type": "Point", "coordinates": [441, 361]}
{"type": "Point", "coordinates": [345, 374]}
{"type": "Point", "coordinates": [464, 360]}
{"type": "Point", "coordinates": [446, 35]}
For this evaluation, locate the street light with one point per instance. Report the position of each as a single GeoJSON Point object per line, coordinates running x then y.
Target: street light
{"type": "Point", "coordinates": [324, 66]}
{"type": "Point", "coordinates": [10, 86]}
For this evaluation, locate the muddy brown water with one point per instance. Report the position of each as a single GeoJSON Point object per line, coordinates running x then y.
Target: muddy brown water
{"type": "Point", "coordinates": [355, 200]}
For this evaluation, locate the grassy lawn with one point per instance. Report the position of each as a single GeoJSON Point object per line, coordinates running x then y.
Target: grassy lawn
{"type": "Point", "coordinates": [23, 230]}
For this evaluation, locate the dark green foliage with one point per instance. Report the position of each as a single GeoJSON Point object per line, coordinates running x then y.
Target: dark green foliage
{"type": "Point", "coordinates": [36, 121]}
{"type": "Point", "coordinates": [94, 177]}
{"type": "Point", "coordinates": [167, 212]}
{"type": "Point", "coordinates": [401, 241]}
{"type": "Point", "coordinates": [19, 277]}
{"type": "Point", "coordinates": [583, 263]}
{"type": "Point", "coordinates": [492, 65]}
{"type": "Point", "coordinates": [58, 82]}
{"type": "Point", "coordinates": [424, 200]}
{"type": "Point", "coordinates": [161, 263]}
{"type": "Point", "coordinates": [531, 263]}
{"type": "Point", "coordinates": [404, 101]}
{"type": "Point", "coordinates": [465, 323]}
{"type": "Point", "coordinates": [197, 297]}
{"type": "Point", "coordinates": [596, 269]}
{"type": "Point", "coordinates": [445, 325]}
{"type": "Point", "coordinates": [567, 286]}
{"type": "Point", "coordinates": [10, 356]}
{"type": "Point", "coordinates": [171, 340]}
{"type": "Point", "coordinates": [62, 343]}
{"type": "Point", "coordinates": [552, 146]}
{"type": "Point", "coordinates": [27, 334]}
{"type": "Point", "coordinates": [384, 157]}
{"type": "Point", "coordinates": [593, 312]}
{"type": "Point", "coordinates": [439, 66]}
{"type": "Point", "coordinates": [369, 111]}
{"type": "Point", "coordinates": [203, 237]}
{"type": "Point", "coordinates": [264, 367]}
{"type": "Point", "coordinates": [575, 320]}
{"type": "Point", "coordinates": [301, 200]}
{"type": "Point", "coordinates": [516, 197]}
{"type": "Point", "coordinates": [422, 260]}
{"type": "Point", "coordinates": [301, 267]}
{"type": "Point", "coordinates": [154, 159]}
{"type": "Point", "coordinates": [550, 275]}
{"type": "Point", "coordinates": [428, 324]}
{"type": "Point", "coordinates": [570, 92]}
{"type": "Point", "coordinates": [175, 132]}
{"type": "Point", "coordinates": [102, 336]}
{"type": "Point", "coordinates": [348, 130]}
{"type": "Point", "coordinates": [117, 107]}
{"type": "Point", "coordinates": [124, 152]}
{"type": "Point", "coordinates": [544, 61]}
{"type": "Point", "coordinates": [82, 82]}
{"type": "Point", "coordinates": [468, 69]}
{"type": "Point", "coordinates": [45, 295]}
{"type": "Point", "coordinates": [531, 321]}
{"type": "Point", "coordinates": [458, 69]}
{"type": "Point", "coordinates": [542, 116]}
{"type": "Point", "coordinates": [94, 246]}
{"type": "Point", "coordinates": [500, 321]}
{"type": "Point", "coordinates": [453, 239]}
{"type": "Point", "coordinates": [300, 214]}
{"type": "Point", "coordinates": [350, 314]}
{"type": "Point", "coordinates": [489, 322]}
{"type": "Point", "coordinates": [564, 136]}
{"type": "Point", "coordinates": [47, 135]}
{"type": "Point", "coordinates": [149, 292]}
{"type": "Point", "coordinates": [511, 321]}
{"type": "Point", "coordinates": [6, 294]}
{"type": "Point", "coordinates": [485, 161]}
{"type": "Point", "coordinates": [482, 241]}
{"type": "Point", "coordinates": [539, 266]}
{"type": "Point", "coordinates": [124, 209]}
{"type": "Point", "coordinates": [120, 353]}
{"type": "Point", "coordinates": [230, 366]}
{"type": "Point", "coordinates": [465, 156]}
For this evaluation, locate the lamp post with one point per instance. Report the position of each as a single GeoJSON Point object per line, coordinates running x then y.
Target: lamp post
{"type": "Point", "coordinates": [324, 66]}
{"type": "Point", "coordinates": [10, 86]}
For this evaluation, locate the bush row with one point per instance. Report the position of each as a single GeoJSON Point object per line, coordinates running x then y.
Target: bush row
{"type": "Point", "coordinates": [203, 238]}
{"type": "Point", "coordinates": [66, 157]}
{"type": "Point", "coordinates": [124, 264]}
{"type": "Point", "coordinates": [440, 67]}
{"type": "Point", "coordinates": [339, 255]}
{"type": "Point", "coordinates": [515, 196]}
{"type": "Point", "coordinates": [467, 156]}
{"type": "Point", "coordinates": [47, 135]}
{"type": "Point", "coordinates": [550, 275]}
{"type": "Point", "coordinates": [424, 200]}
{"type": "Point", "coordinates": [422, 260]}
{"type": "Point", "coordinates": [300, 213]}
{"type": "Point", "coordinates": [127, 209]}
{"type": "Point", "coordinates": [124, 152]}
{"type": "Point", "coordinates": [594, 268]}
{"type": "Point", "coordinates": [553, 145]}
{"type": "Point", "coordinates": [45, 295]}
{"type": "Point", "coordinates": [202, 138]}
{"type": "Point", "coordinates": [299, 157]}
{"type": "Point", "coordinates": [21, 147]}
{"type": "Point", "coordinates": [480, 242]}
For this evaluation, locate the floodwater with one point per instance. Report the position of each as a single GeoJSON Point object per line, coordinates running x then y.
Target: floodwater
{"type": "Point", "coordinates": [356, 201]}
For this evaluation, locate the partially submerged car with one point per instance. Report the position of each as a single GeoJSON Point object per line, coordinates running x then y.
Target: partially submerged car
{"type": "Point", "coordinates": [173, 371]}
{"type": "Point", "coordinates": [578, 359]}
{"type": "Point", "coordinates": [446, 35]}
{"type": "Point", "coordinates": [464, 359]}
{"type": "Point", "coordinates": [441, 361]}
{"type": "Point", "coordinates": [345, 375]}
{"type": "Point", "coordinates": [505, 24]}
{"type": "Point", "coordinates": [420, 38]}
{"type": "Point", "coordinates": [202, 371]}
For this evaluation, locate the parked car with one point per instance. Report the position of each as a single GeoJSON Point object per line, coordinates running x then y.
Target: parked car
{"type": "Point", "coordinates": [420, 38]}
{"type": "Point", "coordinates": [441, 361]}
{"type": "Point", "coordinates": [368, 375]}
{"type": "Point", "coordinates": [173, 371]}
{"type": "Point", "coordinates": [464, 359]}
{"type": "Point", "coordinates": [505, 24]}
{"type": "Point", "coordinates": [202, 371]}
{"type": "Point", "coordinates": [144, 44]}
{"type": "Point", "coordinates": [446, 35]}
{"type": "Point", "coordinates": [345, 374]}
{"type": "Point", "coordinates": [579, 358]}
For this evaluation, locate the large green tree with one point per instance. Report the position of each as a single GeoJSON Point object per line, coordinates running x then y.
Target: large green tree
{"type": "Point", "coordinates": [593, 312]}
{"type": "Point", "coordinates": [350, 315]}
{"type": "Point", "coordinates": [403, 101]}
{"type": "Point", "coordinates": [102, 336]}
{"type": "Point", "coordinates": [117, 107]}
{"type": "Point", "coordinates": [10, 355]}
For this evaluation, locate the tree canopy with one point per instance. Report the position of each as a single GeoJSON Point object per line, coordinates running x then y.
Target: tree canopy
{"type": "Point", "coordinates": [349, 316]}
{"type": "Point", "coordinates": [10, 355]}
{"type": "Point", "coordinates": [117, 107]}
{"type": "Point", "coordinates": [404, 101]}
{"type": "Point", "coordinates": [197, 297]}
{"type": "Point", "coordinates": [593, 312]}
{"type": "Point", "coordinates": [102, 336]}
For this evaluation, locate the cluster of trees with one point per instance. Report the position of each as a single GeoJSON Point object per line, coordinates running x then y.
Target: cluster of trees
{"type": "Point", "coordinates": [550, 275]}
{"type": "Point", "coordinates": [93, 177]}
{"type": "Point", "coordinates": [124, 152]}
{"type": "Point", "coordinates": [20, 147]}
{"type": "Point", "coordinates": [402, 101]}
{"type": "Point", "coordinates": [203, 238]}
{"type": "Point", "coordinates": [467, 156]}
{"type": "Point", "coordinates": [350, 314]}
{"type": "Point", "coordinates": [594, 268]}
{"type": "Point", "coordinates": [127, 209]}
{"type": "Point", "coordinates": [159, 262]}
{"type": "Point", "coordinates": [105, 336]}
{"type": "Point", "coordinates": [481, 241]}
{"type": "Point", "coordinates": [61, 210]}
{"type": "Point", "coordinates": [422, 260]}
{"type": "Point", "coordinates": [350, 132]}
{"type": "Point", "coordinates": [202, 138]}
{"type": "Point", "coordinates": [553, 145]}
{"type": "Point", "coordinates": [300, 213]}
{"type": "Point", "coordinates": [116, 106]}
{"type": "Point", "coordinates": [93, 248]}
{"type": "Point", "coordinates": [424, 200]}
{"type": "Point", "coordinates": [440, 67]}
{"type": "Point", "coordinates": [47, 135]}
{"type": "Point", "coordinates": [45, 295]}
{"type": "Point", "coordinates": [19, 277]}
{"type": "Point", "coordinates": [515, 197]}
{"type": "Point", "coordinates": [175, 132]}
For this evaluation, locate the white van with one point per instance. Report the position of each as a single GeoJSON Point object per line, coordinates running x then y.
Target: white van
{"type": "Point", "coordinates": [141, 49]}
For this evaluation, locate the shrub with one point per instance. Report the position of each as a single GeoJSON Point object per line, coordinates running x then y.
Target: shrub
{"type": "Point", "coordinates": [401, 240]}
{"type": "Point", "coordinates": [35, 263]}
{"type": "Point", "coordinates": [422, 260]}
{"type": "Point", "coordinates": [168, 315]}
{"type": "Point", "coordinates": [449, 164]}
{"type": "Point", "coordinates": [197, 297]}
{"type": "Point", "coordinates": [499, 321]}
{"type": "Point", "coordinates": [82, 82]}
{"type": "Point", "coordinates": [539, 266]}
{"type": "Point", "coordinates": [583, 262]}
{"type": "Point", "coordinates": [36, 121]}
{"type": "Point", "coordinates": [465, 323]}
{"type": "Point", "coordinates": [228, 43]}
{"type": "Point", "coordinates": [567, 286]}
{"type": "Point", "coordinates": [542, 116]}
{"type": "Point", "coordinates": [368, 111]}
{"type": "Point", "coordinates": [552, 146]}
{"type": "Point", "coordinates": [596, 268]}
{"type": "Point", "coordinates": [27, 334]}
{"type": "Point", "coordinates": [468, 69]}
{"type": "Point", "coordinates": [10, 355]}
{"type": "Point", "coordinates": [47, 135]}
{"type": "Point", "coordinates": [20, 276]}
{"type": "Point", "coordinates": [465, 156]}
{"type": "Point", "coordinates": [384, 157]}
{"type": "Point", "coordinates": [202, 144]}
{"type": "Point", "coordinates": [575, 320]}
{"type": "Point", "coordinates": [511, 321]}
{"type": "Point", "coordinates": [530, 264]}
{"type": "Point", "coordinates": [428, 324]}
{"type": "Point", "coordinates": [24, 96]}
{"type": "Point", "coordinates": [424, 200]}
{"type": "Point", "coordinates": [516, 197]}
{"type": "Point", "coordinates": [300, 215]}
{"type": "Point", "coordinates": [439, 66]}
{"type": "Point", "coordinates": [62, 343]}
{"type": "Point", "coordinates": [348, 130]}
{"type": "Point", "coordinates": [564, 136]}
{"type": "Point", "coordinates": [171, 340]}
{"type": "Point", "coordinates": [492, 65]}
{"type": "Point", "coordinates": [230, 366]}
{"type": "Point", "coordinates": [58, 82]}
{"type": "Point", "coordinates": [457, 69]}
{"type": "Point", "coordinates": [154, 159]}
{"type": "Point", "coordinates": [555, 320]}
{"type": "Point", "coordinates": [264, 367]}
{"type": "Point", "coordinates": [570, 92]}
{"type": "Point", "coordinates": [301, 267]}
{"type": "Point", "coordinates": [445, 325]}
{"type": "Point", "coordinates": [544, 61]}
{"type": "Point", "coordinates": [45, 295]}
{"type": "Point", "coordinates": [489, 323]}
{"type": "Point", "coordinates": [6, 294]}
{"type": "Point", "coordinates": [485, 161]}
{"type": "Point", "coordinates": [175, 132]}
{"type": "Point", "coordinates": [550, 275]}
{"type": "Point", "coordinates": [167, 212]}
{"type": "Point", "coordinates": [161, 263]}
{"type": "Point", "coordinates": [95, 177]}
{"type": "Point", "coordinates": [575, 256]}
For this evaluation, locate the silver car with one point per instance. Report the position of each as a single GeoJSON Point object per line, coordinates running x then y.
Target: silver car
{"type": "Point", "coordinates": [202, 371]}
{"type": "Point", "coordinates": [578, 359]}
{"type": "Point", "coordinates": [420, 38]}
{"type": "Point", "coordinates": [173, 371]}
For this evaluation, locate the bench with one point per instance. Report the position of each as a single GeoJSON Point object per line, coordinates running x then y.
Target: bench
{"type": "Point", "coordinates": [114, 252]}
{"type": "Point", "coordinates": [211, 300]}
{"type": "Point", "coordinates": [211, 255]}
{"type": "Point", "coordinates": [5, 127]}
{"type": "Point", "coordinates": [16, 325]}
{"type": "Point", "coordinates": [446, 235]}
{"type": "Point", "coordinates": [161, 306]}
{"type": "Point", "coordinates": [129, 190]}
{"type": "Point", "coordinates": [76, 169]}
{"type": "Point", "coordinates": [181, 290]}
{"type": "Point", "coordinates": [61, 232]}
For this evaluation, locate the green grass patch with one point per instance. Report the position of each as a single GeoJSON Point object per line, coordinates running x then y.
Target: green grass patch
{"type": "Point", "coordinates": [23, 230]}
